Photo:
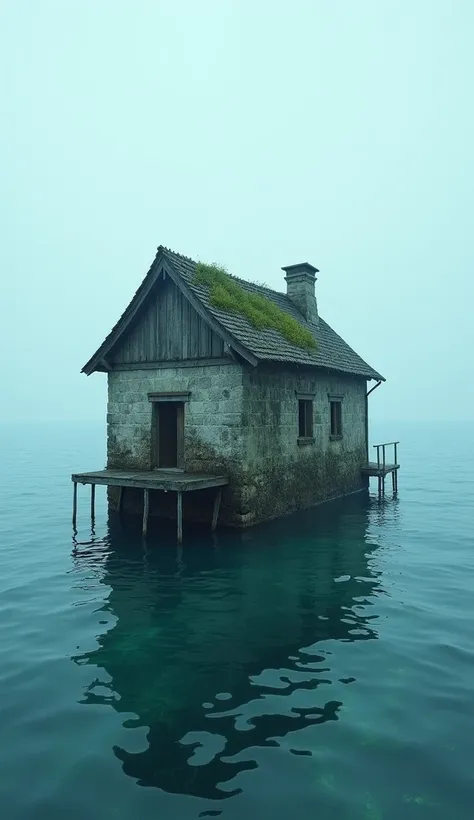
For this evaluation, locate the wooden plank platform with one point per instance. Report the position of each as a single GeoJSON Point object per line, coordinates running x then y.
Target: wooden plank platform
{"type": "Point", "coordinates": [173, 480]}
{"type": "Point", "coordinates": [146, 480]}
{"type": "Point", "coordinates": [381, 468]}
{"type": "Point", "coordinates": [374, 469]}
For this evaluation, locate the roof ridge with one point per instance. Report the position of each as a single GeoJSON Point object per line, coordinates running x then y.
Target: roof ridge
{"type": "Point", "coordinates": [164, 249]}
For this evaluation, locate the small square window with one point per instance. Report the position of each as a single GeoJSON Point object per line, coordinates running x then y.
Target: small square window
{"type": "Point", "coordinates": [305, 418]}
{"type": "Point", "coordinates": [336, 418]}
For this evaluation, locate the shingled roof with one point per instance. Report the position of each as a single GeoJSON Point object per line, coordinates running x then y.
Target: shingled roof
{"type": "Point", "coordinates": [331, 352]}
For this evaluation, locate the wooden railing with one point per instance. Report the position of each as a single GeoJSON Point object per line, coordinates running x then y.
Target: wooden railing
{"type": "Point", "coordinates": [381, 462]}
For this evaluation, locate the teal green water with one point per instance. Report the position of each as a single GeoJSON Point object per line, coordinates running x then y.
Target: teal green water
{"type": "Point", "coordinates": [321, 666]}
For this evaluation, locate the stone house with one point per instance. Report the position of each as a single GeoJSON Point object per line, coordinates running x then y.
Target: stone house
{"type": "Point", "coordinates": [198, 388]}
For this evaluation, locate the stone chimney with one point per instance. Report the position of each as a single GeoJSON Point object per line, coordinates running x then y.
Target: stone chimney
{"type": "Point", "coordinates": [300, 281]}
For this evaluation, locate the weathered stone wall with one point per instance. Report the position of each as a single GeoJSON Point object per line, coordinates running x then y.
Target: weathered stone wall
{"type": "Point", "coordinates": [212, 416]}
{"type": "Point", "coordinates": [243, 422]}
{"type": "Point", "coordinates": [213, 432]}
{"type": "Point", "coordinates": [281, 475]}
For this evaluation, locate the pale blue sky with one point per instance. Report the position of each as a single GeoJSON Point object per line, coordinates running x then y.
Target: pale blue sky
{"type": "Point", "coordinates": [251, 134]}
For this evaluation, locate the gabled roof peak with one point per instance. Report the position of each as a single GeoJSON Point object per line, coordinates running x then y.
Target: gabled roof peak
{"type": "Point", "coordinates": [332, 352]}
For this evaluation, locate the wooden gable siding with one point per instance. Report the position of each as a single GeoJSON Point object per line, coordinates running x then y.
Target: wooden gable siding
{"type": "Point", "coordinates": [168, 329]}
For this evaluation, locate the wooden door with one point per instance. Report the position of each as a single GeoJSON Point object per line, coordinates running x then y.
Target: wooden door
{"type": "Point", "coordinates": [169, 435]}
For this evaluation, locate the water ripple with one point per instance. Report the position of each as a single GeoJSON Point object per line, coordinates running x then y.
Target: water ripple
{"type": "Point", "coordinates": [319, 666]}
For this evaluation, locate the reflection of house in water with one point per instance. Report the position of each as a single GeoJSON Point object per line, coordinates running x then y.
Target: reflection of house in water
{"type": "Point", "coordinates": [204, 625]}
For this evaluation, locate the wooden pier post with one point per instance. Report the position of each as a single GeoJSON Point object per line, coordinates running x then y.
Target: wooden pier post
{"type": "Point", "coordinates": [394, 482]}
{"type": "Point", "coordinates": [146, 503]}
{"type": "Point", "coordinates": [74, 505]}
{"type": "Point", "coordinates": [120, 500]}
{"type": "Point", "coordinates": [215, 512]}
{"type": "Point", "coordinates": [92, 502]}
{"type": "Point", "coordinates": [180, 517]}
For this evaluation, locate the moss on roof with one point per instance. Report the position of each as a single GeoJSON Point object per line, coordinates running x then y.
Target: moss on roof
{"type": "Point", "coordinates": [226, 294]}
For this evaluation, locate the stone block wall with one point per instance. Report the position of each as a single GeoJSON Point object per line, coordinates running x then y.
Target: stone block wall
{"type": "Point", "coordinates": [213, 415]}
{"type": "Point", "coordinates": [281, 475]}
{"type": "Point", "coordinates": [213, 431]}
{"type": "Point", "coordinates": [243, 422]}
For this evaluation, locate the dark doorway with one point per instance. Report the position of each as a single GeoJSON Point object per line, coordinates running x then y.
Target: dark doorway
{"type": "Point", "coordinates": [170, 434]}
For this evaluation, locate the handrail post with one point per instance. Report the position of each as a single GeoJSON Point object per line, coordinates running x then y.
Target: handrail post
{"type": "Point", "coordinates": [382, 461]}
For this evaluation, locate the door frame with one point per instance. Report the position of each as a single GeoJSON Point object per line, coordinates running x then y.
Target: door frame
{"type": "Point", "coordinates": [160, 398]}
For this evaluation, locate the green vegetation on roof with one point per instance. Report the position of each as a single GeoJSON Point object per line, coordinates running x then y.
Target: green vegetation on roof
{"type": "Point", "coordinates": [226, 294]}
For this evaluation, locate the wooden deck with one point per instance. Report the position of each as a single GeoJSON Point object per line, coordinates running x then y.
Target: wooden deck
{"type": "Point", "coordinates": [146, 480]}
{"type": "Point", "coordinates": [174, 480]}
{"type": "Point", "coordinates": [380, 468]}
{"type": "Point", "coordinates": [374, 469]}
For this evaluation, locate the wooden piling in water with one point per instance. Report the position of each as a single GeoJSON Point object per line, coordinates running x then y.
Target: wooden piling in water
{"type": "Point", "coordinates": [180, 517]}
{"type": "Point", "coordinates": [120, 500]}
{"type": "Point", "coordinates": [215, 512]}
{"type": "Point", "coordinates": [74, 505]}
{"type": "Point", "coordinates": [146, 505]}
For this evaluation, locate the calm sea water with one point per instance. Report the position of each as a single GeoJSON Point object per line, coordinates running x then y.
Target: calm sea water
{"type": "Point", "coordinates": [320, 667]}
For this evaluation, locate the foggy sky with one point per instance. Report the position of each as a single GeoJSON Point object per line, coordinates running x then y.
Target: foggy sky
{"type": "Point", "coordinates": [254, 134]}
